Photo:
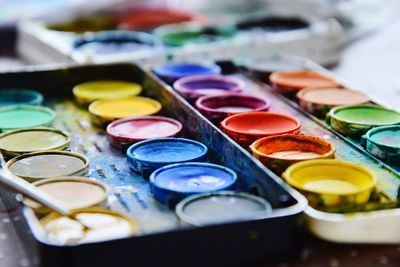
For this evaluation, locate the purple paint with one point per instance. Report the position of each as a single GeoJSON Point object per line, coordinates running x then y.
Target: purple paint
{"type": "Point", "coordinates": [197, 86]}
{"type": "Point", "coordinates": [218, 107]}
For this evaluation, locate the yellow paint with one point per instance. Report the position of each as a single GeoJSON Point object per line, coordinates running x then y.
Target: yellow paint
{"type": "Point", "coordinates": [330, 186]}
{"type": "Point", "coordinates": [111, 109]}
{"type": "Point", "coordinates": [86, 93]}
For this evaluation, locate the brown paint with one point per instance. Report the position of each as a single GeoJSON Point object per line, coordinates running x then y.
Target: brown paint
{"type": "Point", "coordinates": [332, 96]}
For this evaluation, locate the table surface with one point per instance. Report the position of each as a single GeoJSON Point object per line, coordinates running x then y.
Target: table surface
{"type": "Point", "coordinates": [371, 65]}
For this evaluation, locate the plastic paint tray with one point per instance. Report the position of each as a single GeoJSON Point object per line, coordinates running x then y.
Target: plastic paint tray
{"type": "Point", "coordinates": [276, 236]}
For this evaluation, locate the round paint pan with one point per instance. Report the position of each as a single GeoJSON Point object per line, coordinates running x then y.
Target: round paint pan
{"type": "Point", "coordinates": [147, 156]}
{"type": "Point", "coordinates": [116, 43]}
{"type": "Point", "coordinates": [49, 164]}
{"type": "Point", "coordinates": [280, 151]}
{"type": "Point", "coordinates": [105, 111]}
{"type": "Point", "coordinates": [172, 183]}
{"type": "Point", "coordinates": [354, 121]}
{"type": "Point", "coordinates": [86, 93]}
{"type": "Point", "coordinates": [173, 71]}
{"type": "Point", "coordinates": [290, 82]}
{"type": "Point", "coordinates": [318, 101]}
{"type": "Point", "coordinates": [73, 192]}
{"type": "Point", "coordinates": [331, 183]}
{"type": "Point", "coordinates": [217, 107]}
{"type": "Point", "coordinates": [103, 225]}
{"type": "Point", "coordinates": [245, 128]}
{"type": "Point", "coordinates": [221, 207]}
{"type": "Point", "coordinates": [193, 87]}
{"type": "Point", "coordinates": [22, 141]}
{"type": "Point", "coordinates": [384, 143]}
{"type": "Point", "coordinates": [125, 132]}
{"type": "Point", "coordinates": [18, 117]}
{"type": "Point", "coordinates": [18, 97]}
{"type": "Point", "coordinates": [84, 24]}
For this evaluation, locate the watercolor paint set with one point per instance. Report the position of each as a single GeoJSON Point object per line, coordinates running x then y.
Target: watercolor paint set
{"type": "Point", "coordinates": [334, 145]}
{"type": "Point", "coordinates": [148, 35]}
{"type": "Point", "coordinates": [160, 174]}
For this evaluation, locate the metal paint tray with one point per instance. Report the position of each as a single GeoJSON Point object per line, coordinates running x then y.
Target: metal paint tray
{"type": "Point", "coordinates": [162, 240]}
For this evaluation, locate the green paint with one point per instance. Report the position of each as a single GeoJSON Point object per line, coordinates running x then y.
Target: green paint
{"type": "Point", "coordinates": [368, 115]}
{"type": "Point", "coordinates": [24, 117]}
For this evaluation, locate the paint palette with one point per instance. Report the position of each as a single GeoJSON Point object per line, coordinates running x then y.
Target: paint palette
{"type": "Point", "coordinates": [339, 224]}
{"type": "Point", "coordinates": [157, 224]}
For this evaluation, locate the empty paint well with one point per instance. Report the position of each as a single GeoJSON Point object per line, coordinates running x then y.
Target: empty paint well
{"type": "Point", "coordinates": [384, 143]}
{"type": "Point", "coordinates": [86, 93]}
{"type": "Point", "coordinates": [194, 87]}
{"type": "Point", "coordinates": [328, 182]}
{"type": "Point", "coordinates": [49, 164]}
{"type": "Point", "coordinates": [280, 151]}
{"type": "Point", "coordinates": [73, 192]}
{"type": "Point", "coordinates": [124, 132]}
{"type": "Point", "coordinates": [245, 128]}
{"type": "Point", "coordinates": [319, 101]}
{"type": "Point", "coordinates": [18, 117]}
{"type": "Point", "coordinates": [13, 97]}
{"type": "Point", "coordinates": [147, 156]}
{"type": "Point", "coordinates": [174, 182]}
{"type": "Point", "coordinates": [293, 81]}
{"type": "Point", "coordinates": [106, 110]}
{"type": "Point", "coordinates": [17, 142]}
{"type": "Point", "coordinates": [173, 71]}
{"type": "Point", "coordinates": [221, 207]}
{"type": "Point", "coordinates": [218, 107]}
{"type": "Point", "coordinates": [354, 121]}
{"type": "Point", "coordinates": [103, 225]}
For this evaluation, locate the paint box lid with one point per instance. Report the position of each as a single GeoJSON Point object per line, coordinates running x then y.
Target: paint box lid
{"type": "Point", "coordinates": [18, 117]}
{"type": "Point", "coordinates": [73, 192]}
{"type": "Point", "coordinates": [221, 207]}
{"type": "Point", "coordinates": [52, 164]}
{"type": "Point", "coordinates": [86, 93]}
{"type": "Point", "coordinates": [124, 132]}
{"type": "Point", "coordinates": [147, 156]}
{"type": "Point", "coordinates": [16, 97]}
{"type": "Point", "coordinates": [17, 142]}
{"type": "Point", "coordinates": [174, 182]}
{"type": "Point", "coordinates": [194, 87]}
{"type": "Point", "coordinates": [173, 71]}
{"type": "Point", "coordinates": [107, 110]}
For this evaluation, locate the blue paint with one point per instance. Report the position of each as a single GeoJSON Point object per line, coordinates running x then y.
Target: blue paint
{"type": "Point", "coordinates": [175, 182]}
{"type": "Point", "coordinates": [174, 71]}
{"type": "Point", "coordinates": [15, 97]}
{"type": "Point", "coordinates": [146, 156]}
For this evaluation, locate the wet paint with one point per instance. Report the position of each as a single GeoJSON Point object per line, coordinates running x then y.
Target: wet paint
{"type": "Point", "coordinates": [172, 183]}
{"type": "Point", "coordinates": [217, 107]}
{"type": "Point", "coordinates": [193, 87]}
{"type": "Point", "coordinates": [280, 151]}
{"type": "Point", "coordinates": [245, 128]}
{"type": "Point", "coordinates": [331, 183]}
{"type": "Point", "coordinates": [124, 132]}
{"type": "Point", "coordinates": [86, 93]}
{"type": "Point", "coordinates": [173, 71]}
{"type": "Point", "coordinates": [147, 156]}
{"type": "Point", "coordinates": [354, 121]}
{"type": "Point", "coordinates": [52, 164]}
{"type": "Point", "coordinates": [84, 24]}
{"type": "Point", "coordinates": [319, 101]}
{"type": "Point", "coordinates": [290, 82]}
{"type": "Point", "coordinates": [221, 207]}
{"type": "Point", "coordinates": [18, 117]}
{"type": "Point", "coordinates": [17, 97]}
{"type": "Point", "coordinates": [106, 110]}
{"type": "Point", "coordinates": [103, 225]}
{"type": "Point", "coordinates": [73, 192]}
{"type": "Point", "coordinates": [17, 142]}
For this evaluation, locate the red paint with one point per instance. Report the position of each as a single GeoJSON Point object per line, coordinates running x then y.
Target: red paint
{"type": "Point", "coordinates": [247, 127]}
{"type": "Point", "coordinates": [124, 132]}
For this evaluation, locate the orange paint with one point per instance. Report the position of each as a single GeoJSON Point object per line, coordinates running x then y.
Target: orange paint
{"type": "Point", "coordinates": [293, 81]}
{"type": "Point", "coordinates": [332, 96]}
